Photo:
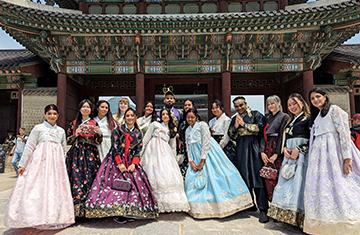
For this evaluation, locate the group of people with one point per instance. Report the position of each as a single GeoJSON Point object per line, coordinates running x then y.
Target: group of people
{"type": "Point", "coordinates": [300, 168]}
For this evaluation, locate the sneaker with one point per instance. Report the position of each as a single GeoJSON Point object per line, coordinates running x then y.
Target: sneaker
{"type": "Point", "coordinates": [263, 217]}
{"type": "Point", "coordinates": [120, 220]}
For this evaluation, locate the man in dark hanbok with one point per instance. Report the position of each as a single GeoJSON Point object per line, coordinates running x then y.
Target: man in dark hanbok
{"type": "Point", "coordinates": [246, 129]}
{"type": "Point", "coordinates": [169, 101]}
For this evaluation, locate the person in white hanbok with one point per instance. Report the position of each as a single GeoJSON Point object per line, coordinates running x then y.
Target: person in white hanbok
{"type": "Point", "coordinates": [159, 162]}
{"type": "Point", "coordinates": [148, 116]}
{"type": "Point", "coordinates": [41, 197]}
{"type": "Point", "coordinates": [123, 105]}
{"type": "Point", "coordinates": [104, 118]}
{"type": "Point", "coordinates": [332, 188]}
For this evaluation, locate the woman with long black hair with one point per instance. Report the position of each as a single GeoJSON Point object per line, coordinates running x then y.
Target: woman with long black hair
{"type": "Point", "coordinates": [83, 160]}
{"type": "Point", "coordinates": [104, 118]}
{"type": "Point", "coordinates": [332, 188]}
{"type": "Point", "coordinates": [148, 116]}
{"type": "Point", "coordinates": [159, 163]}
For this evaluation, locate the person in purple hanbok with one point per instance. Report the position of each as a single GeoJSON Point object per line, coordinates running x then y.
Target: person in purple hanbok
{"type": "Point", "coordinates": [121, 165]}
{"type": "Point", "coordinates": [332, 188]}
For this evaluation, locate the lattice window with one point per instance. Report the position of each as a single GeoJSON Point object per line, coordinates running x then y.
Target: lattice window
{"type": "Point", "coordinates": [271, 6]}
{"type": "Point", "coordinates": [154, 9]}
{"type": "Point", "coordinates": [129, 9]}
{"type": "Point", "coordinates": [172, 9]}
{"type": "Point", "coordinates": [235, 7]}
{"type": "Point", "coordinates": [252, 6]}
{"type": "Point", "coordinates": [209, 8]}
{"type": "Point", "coordinates": [112, 9]}
{"type": "Point", "coordinates": [191, 8]}
{"type": "Point", "coordinates": [95, 9]}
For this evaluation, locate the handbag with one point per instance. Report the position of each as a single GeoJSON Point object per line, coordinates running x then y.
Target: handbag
{"type": "Point", "coordinates": [180, 158]}
{"type": "Point", "coordinates": [288, 170]}
{"type": "Point", "coordinates": [200, 181]}
{"type": "Point", "coordinates": [269, 173]}
{"type": "Point", "coordinates": [121, 184]}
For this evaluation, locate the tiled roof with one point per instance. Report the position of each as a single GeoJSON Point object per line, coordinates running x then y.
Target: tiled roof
{"type": "Point", "coordinates": [69, 4]}
{"type": "Point", "coordinates": [347, 53]}
{"type": "Point", "coordinates": [14, 59]}
{"type": "Point", "coordinates": [52, 91]}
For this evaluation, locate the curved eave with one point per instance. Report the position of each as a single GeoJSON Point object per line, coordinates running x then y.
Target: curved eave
{"type": "Point", "coordinates": [68, 4]}
{"type": "Point", "coordinates": [342, 14]}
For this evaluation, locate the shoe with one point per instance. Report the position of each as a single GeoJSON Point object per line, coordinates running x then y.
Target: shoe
{"type": "Point", "coordinates": [120, 220]}
{"type": "Point", "coordinates": [263, 217]}
{"type": "Point", "coordinates": [253, 208]}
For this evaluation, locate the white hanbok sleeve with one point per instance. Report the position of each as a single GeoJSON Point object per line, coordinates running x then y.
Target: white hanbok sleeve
{"type": "Point", "coordinates": [147, 137]}
{"type": "Point", "coordinates": [340, 119]}
{"type": "Point", "coordinates": [63, 141]}
{"type": "Point", "coordinates": [205, 140]}
{"type": "Point", "coordinates": [29, 147]}
{"type": "Point", "coordinates": [172, 144]}
{"type": "Point", "coordinates": [225, 139]}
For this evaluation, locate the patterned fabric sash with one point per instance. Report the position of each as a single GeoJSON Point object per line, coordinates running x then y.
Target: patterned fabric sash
{"type": "Point", "coordinates": [128, 140]}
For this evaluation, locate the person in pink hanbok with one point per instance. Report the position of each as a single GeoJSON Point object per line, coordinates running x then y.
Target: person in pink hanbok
{"type": "Point", "coordinates": [41, 197]}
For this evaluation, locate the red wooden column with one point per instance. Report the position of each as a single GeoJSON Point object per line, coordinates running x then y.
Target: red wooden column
{"type": "Point", "coordinates": [19, 108]}
{"type": "Point", "coordinates": [61, 98]}
{"type": "Point", "coordinates": [308, 84]}
{"type": "Point", "coordinates": [351, 98]}
{"type": "Point", "coordinates": [226, 92]}
{"type": "Point", "coordinates": [140, 93]}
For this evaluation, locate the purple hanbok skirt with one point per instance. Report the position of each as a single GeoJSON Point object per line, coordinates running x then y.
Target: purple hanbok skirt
{"type": "Point", "coordinates": [103, 201]}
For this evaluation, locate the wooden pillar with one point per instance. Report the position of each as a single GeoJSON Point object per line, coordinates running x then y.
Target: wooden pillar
{"type": "Point", "coordinates": [226, 92]}
{"type": "Point", "coordinates": [61, 98]}
{"type": "Point", "coordinates": [222, 7]}
{"type": "Point", "coordinates": [308, 84]}
{"type": "Point", "coordinates": [19, 109]}
{"type": "Point", "coordinates": [351, 98]}
{"type": "Point", "coordinates": [140, 93]}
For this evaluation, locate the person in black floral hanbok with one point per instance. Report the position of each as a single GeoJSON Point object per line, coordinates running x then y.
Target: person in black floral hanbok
{"type": "Point", "coordinates": [188, 104]}
{"type": "Point", "coordinates": [83, 160]}
{"type": "Point", "coordinates": [122, 163]}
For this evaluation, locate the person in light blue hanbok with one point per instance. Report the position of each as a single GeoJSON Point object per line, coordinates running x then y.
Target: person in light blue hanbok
{"type": "Point", "coordinates": [213, 185]}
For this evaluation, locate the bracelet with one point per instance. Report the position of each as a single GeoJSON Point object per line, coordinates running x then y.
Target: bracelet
{"type": "Point", "coordinates": [244, 125]}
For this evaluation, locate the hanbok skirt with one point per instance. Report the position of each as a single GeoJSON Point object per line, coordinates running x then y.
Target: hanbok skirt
{"type": "Point", "coordinates": [332, 202]}
{"type": "Point", "coordinates": [41, 197]}
{"type": "Point", "coordinates": [104, 147]}
{"type": "Point", "coordinates": [82, 162]}
{"type": "Point", "coordinates": [288, 198]}
{"type": "Point", "coordinates": [158, 161]}
{"type": "Point", "coordinates": [104, 201]}
{"type": "Point", "coordinates": [269, 151]}
{"type": "Point", "coordinates": [225, 192]}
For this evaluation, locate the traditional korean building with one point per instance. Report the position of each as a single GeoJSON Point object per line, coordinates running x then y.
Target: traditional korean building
{"type": "Point", "coordinates": [215, 48]}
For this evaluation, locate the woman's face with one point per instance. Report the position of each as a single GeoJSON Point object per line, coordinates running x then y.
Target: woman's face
{"type": "Point", "coordinates": [130, 118]}
{"type": "Point", "coordinates": [123, 106]}
{"type": "Point", "coordinates": [188, 105]}
{"type": "Point", "coordinates": [103, 109]}
{"type": "Point", "coordinates": [295, 106]}
{"type": "Point", "coordinates": [216, 110]}
{"type": "Point", "coordinates": [51, 116]}
{"type": "Point", "coordinates": [165, 117]}
{"type": "Point", "coordinates": [85, 109]}
{"type": "Point", "coordinates": [271, 105]}
{"type": "Point", "coordinates": [191, 119]}
{"type": "Point", "coordinates": [317, 99]}
{"type": "Point", "coordinates": [149, 109]}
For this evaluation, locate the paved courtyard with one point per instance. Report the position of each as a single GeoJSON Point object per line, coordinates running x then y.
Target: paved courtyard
{"type": "Point", "coordinates": [167, 224]}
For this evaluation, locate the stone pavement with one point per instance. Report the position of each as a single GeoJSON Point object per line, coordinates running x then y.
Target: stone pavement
{"type": "Point", "coordinates": [243, 223]}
